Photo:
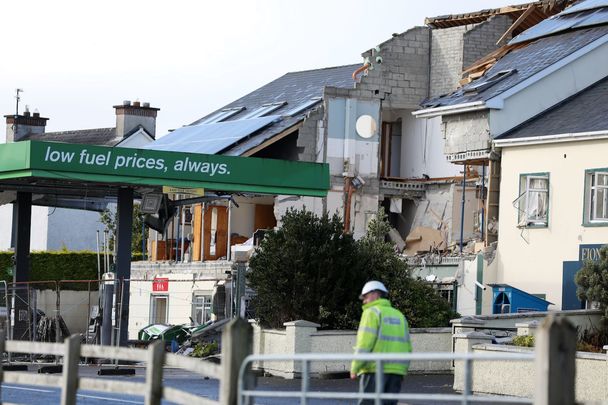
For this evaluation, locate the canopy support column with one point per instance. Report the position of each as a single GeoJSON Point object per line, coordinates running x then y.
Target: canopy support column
{"type": "Point", "coordinates": [123, 259]}
{"type": "Point", "coordinates": [22, 228]}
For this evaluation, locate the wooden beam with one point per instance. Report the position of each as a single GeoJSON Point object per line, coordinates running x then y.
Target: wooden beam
{"type": "Point", "coordinates": [274, 139]}
{"type": "Point", "coordinates": [517, 22]}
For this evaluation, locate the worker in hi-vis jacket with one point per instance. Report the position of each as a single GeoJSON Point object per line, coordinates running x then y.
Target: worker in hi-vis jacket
{"type": "Point", "coordinates": [383, 329]}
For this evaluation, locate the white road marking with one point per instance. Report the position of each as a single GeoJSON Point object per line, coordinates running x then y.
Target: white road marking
{"type": "Point", "coordinates": [109, 399]}
{"type": "Point", "coordinates": [25, 389]}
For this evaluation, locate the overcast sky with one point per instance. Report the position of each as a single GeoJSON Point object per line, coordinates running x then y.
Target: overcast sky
{"type": "Point", "coordinates": [76, 59]}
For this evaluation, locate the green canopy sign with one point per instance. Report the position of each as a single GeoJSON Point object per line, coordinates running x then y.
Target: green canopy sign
{"type": "Point", "coordinates": [160, 168]}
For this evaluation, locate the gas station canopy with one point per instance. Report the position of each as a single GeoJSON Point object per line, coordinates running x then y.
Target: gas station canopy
{"type": "Point", "coordinates": [97, 171]}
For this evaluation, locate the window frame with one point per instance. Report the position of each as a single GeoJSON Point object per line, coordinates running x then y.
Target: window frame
{"type": "Point", "coordinates": [196, 307]}
{"type": "Point", "coordinates": [587, 200]}
{"type": "Point", "coordinates": [526, 177]}
{"type": "Point", "coordinates": [152, 313]}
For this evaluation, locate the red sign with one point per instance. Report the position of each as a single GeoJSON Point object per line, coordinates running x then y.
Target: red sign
{"type": "Point", "coordinates": [160, 284]}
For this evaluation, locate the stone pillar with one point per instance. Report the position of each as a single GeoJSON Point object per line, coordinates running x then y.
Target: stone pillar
{"type": "Point", "coordinates": [463, 343]}
{"type": "Point", "coordinates": [298, 337]}
{"type": "Point", "coordinates": [466, 324]}
{"type": "Point", "coordinates": [527, 328]}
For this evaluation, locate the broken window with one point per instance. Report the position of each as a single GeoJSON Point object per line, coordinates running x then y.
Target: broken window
{"type": "Point", "coordinates": [533, 200]}
{"type": "Point", "coordinates": [596, 197]}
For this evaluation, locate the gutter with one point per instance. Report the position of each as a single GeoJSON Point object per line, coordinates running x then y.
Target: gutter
{"type": "Point", "coordinates": [450, 109]}
{"type": "Point", "coordinates": [558, 138]}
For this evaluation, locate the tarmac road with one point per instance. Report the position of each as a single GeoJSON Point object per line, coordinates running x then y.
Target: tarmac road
{"type": "Point", "coordinates": [209, 388]}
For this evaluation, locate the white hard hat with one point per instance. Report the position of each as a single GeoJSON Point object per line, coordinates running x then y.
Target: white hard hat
{"type": "Point", "coordinates": [373, 286]}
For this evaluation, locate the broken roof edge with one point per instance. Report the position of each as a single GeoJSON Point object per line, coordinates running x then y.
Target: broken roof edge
{"type": "Point", "coordinates": [450, 109]}
{"type": "Point", "coordinates": [456, 20]}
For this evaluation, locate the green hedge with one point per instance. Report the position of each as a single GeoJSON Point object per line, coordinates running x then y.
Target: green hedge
{"type": "Point", "coordinates": [58, 265]}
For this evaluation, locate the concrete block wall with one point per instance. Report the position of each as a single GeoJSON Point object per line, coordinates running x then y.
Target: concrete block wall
{"type": "Point", "coordinates": [402, 79]}
{"type": "Point", "coordinates": [308, 136]}
{"type": "Point", "coordinates": [446, 59]}
{"type": "Point", "coordinates": [455, 48]}
{"type": "Point", "coordinates": [481, 39]}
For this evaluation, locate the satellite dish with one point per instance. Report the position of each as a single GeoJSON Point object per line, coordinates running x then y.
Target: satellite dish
{"type": "Point", "coordinates": [366, 126]}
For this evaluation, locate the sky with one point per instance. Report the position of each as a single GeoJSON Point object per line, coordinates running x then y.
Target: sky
{"type": "Point", "coordinates": [76, 59]}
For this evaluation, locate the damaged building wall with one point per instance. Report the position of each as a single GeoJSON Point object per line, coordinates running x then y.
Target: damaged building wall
{"type": "Point", "coordinates": [482, 38]}
{"type": "Point", "coordinates": [453, 49]}
{"type": "Point", "coordinates": [466, 132]}
{"type": "Point", "coordinates": [402, 78]}
{"type": "Point", "coordinates": [421, 147]}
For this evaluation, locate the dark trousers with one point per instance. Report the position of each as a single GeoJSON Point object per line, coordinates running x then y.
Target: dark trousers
{"type": "Point", "coordinates": [392, 385]}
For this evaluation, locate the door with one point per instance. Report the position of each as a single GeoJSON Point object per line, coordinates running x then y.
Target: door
{"type": "Point", "coordinates": [569, 298]}
{"type": "Point", "coordinates": [159, 308]}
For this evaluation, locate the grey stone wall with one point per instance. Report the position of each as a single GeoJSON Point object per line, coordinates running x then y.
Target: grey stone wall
{"type": "Point", "coordinates": [481, 39]}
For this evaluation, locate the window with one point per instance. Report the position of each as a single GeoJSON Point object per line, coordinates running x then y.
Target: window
{"type": "Point", "coordinates": [596, 197]}
{"type": "Point", "coordinates": [263, 110]}
{"type": "Point", "coordinates": [159, 308]}
{"type": "Point", "coordinates": [221, 115]}
{"type": "Point", "coordinates": [533, 201]}
{"type": "Point", "coordinates": [201, 308]}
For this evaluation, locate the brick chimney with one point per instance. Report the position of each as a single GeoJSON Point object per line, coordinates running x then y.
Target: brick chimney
{"type": "Point", "coordinates": [129, 116]}
{"type": "Point", "coordinates": [19, 126]}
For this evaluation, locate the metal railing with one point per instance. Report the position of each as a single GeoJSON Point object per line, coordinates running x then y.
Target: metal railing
{"type": "Point", "coordinates": [246, 393]}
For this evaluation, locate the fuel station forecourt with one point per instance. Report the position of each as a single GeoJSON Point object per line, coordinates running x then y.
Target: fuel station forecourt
{"type": "Point", "coordinates": [87, 176]}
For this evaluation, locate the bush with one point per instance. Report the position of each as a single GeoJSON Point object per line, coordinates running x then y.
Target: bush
{"type": "Point", "coordinates": [309, 269]}
{"type": "Point", "coordinates": [524, 341]}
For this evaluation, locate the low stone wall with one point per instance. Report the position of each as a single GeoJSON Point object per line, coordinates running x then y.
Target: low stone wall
{"type": "Point", "coordinates": [517, 378]}
{"type": "Point", "coordinates": [304, 337]}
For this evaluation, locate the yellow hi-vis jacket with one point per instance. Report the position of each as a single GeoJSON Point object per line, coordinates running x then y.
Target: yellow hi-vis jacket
{"type": "Point", "coordinates": [383, 329]}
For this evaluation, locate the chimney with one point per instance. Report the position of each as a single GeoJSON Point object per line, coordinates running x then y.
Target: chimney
{"type": "Point", "coordinates": [130, 116]}
{"type": "Point", "coordinates": [18, 126]}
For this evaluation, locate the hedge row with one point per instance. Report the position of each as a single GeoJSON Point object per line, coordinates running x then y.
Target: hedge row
{"type": "Point", "coordinates": [56, 266]}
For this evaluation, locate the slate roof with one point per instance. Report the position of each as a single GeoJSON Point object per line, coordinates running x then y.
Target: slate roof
{"type": "Point", "coordinates": [95, 136]}
{"type": "Point", "coordinates": [527, 61]}
{"type": "Point", "coordinates": [586, 111]}
{"type": "Point", "coordinates": [295, 88]}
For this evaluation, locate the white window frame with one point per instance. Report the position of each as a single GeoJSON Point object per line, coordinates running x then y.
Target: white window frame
{"type": "Point", "coordinates": [153, 298]}
{"type": "Point", "coordinates": [523, 201]}
{"type": "Point", "coordinates": [207, 304]}
{"type": "Point", "coordinates": [591, 191]}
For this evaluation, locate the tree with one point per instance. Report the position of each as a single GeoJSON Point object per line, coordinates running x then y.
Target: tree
{"type": "Point", "coordinates": [592, 282]}
{"type": "Point", "coordinates": [109, 219]}
{"type": "Point", "coordinates": [302, 271]}
{"type": "Point", "coordinates": [309, 269]}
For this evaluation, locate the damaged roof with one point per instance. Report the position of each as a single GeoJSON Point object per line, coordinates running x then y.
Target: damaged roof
{"type": "Point", "coordinates": [290, 98]}
{"type": "Point", "coordinates": [538, 11]}
{"type": "Point", "coordinates": [531, 52]}
{"type": "Point", "coordinates": [586, 111]}
{"type": "Point", "coordinates": [518, 65]}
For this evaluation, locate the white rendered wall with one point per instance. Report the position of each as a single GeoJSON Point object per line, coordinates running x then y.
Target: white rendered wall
{"type": "Point", "coordinates": [532, 259]}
